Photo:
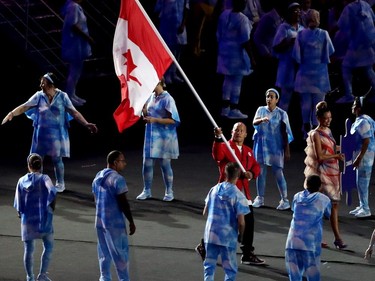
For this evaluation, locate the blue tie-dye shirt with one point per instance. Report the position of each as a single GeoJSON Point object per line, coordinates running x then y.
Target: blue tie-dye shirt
{"type": "Point", "coordinates": [224, 203]}
{"type": "Point", "coordinates": [34, 194]}
{"type": "Point", "coordinates": [51, 123]}
{"type": "Point", "coordinates": [306, 227]}
{"type": "Point", "coordinates": [107, 185]}
{"type": "Point", "coordinates": [362, 128]}
{"type": "Point", "coordinates": [160, 139]}
{"type": "Point", "coordinates": [268, 139]}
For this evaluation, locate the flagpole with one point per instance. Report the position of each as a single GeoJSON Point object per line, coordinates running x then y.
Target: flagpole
{"type": "Point", "coordinates": [189, 83]}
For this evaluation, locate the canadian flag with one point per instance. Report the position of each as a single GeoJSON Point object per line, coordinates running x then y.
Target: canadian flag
{"type": "Point", "coordinates": [140, 60]}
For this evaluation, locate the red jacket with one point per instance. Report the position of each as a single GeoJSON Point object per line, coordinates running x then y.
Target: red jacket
{"type": "Point", "coordinates": [222, 156]}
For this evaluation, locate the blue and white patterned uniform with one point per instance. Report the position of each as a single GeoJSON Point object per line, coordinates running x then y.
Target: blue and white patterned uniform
{"type": "Point", "coordinates": [286, 67]}
{"type": "Point", "coordinates": [357, 21]}
{"type": "Point", "coordinates": [106, 186]}
{"type": "Point", "coordinates": [364, 127]}
{"type": "Point", "coordinates": [224, 202]}
{"type": "Point", "coordinates": [34, 194]}
{"type": "Point", "coordinates": [74, 46]}
{"type": "Point", "coordinates": [51, 123]}
{"type": "Point", "coordinates": [171, 14]}
{"type": "Point", "coordinates": [268, 140]}
{"type": "Point", "coordinates": [312, 50]}
{"type": "Point", "coordinates": [161, 140]}
{"type": "Point", "coordinates": [303, 245]}
{"type": "Point", "coordinates": [233, 31]}
{"type": "Point", "coordinates": [110, 224]}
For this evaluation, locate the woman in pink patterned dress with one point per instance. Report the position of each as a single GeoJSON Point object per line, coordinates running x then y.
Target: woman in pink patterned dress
{"type": "Point", "coordinates": [322, 159]}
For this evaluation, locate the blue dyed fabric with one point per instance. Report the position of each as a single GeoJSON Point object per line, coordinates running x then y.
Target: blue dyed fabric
{"type": "Point", "coordinates": [232, 32]}
{"type": "Point", "coordinates": [364, 127]}
{"type": "Point", "coordinates": [306, 227]}
{"type": "Point", "coordinates": [268, 140]}
{"type": "Point", "coordinates": [51, 123]}
{"type": "Point", "coordinates": [74, 46]}
{"type": "Point", "coordinates": [312, 50]}
{"type": "Point", "coordinates": [171, 14]}
{"type": "Point", "coordinates": [106, 186]}
{"type": "Point", "coordinates": [34, 194]}
{"type": "Point", "coordinates": [286, 67]}
{"type": "Point", "coordinates": [161, 140]}
{"type": "Point", "coordinates": [357, 22]}
{"type": "Point", "coordinates": [224, 203]}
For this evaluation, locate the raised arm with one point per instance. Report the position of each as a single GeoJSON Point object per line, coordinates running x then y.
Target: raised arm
{"type": "Point", "coordinates": [15, 112]}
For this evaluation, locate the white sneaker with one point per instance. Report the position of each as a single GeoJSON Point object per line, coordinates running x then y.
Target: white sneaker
{"type": "Point", "coordinates": [363, 214]}
{"type": "Point", "coordinates": [258, 202]}
{"type": "Point", "coordinates": [168, 197]}
{"type": "Point", "coordinates": [43, 277]}
{"type": "Point", "coordinates": [355, 211]}
{"type": "Point", "coordinates": [144, 195]}
{"type": "Point", "coordinates": [284, 205]}
{"type": "Point", "coordinates": [60, 187]}
{"type": "Point", "coordinates": [225, 111]}
{"type": "Point", "coordinates": [236, 114]}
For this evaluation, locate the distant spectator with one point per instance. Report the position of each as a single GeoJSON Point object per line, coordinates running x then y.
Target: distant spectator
{"type": "Point", "coordinates": [234, 53]}
{"type": "Point", "coordinates": [75, 45]}
{"type": "Point", "coordinates": [312, 51]}
{"type": "Point", "coordinates": [357, 22]}
{"type": "Point", "coordinates": [201, 11]}
{"type": "Point", "coordinates": [172, 27]}
{"type": "Point", "coordinates": [305, 8]}
{"type": "Point", "coordinates": [283, 44]}
{"type": "Point", "coordinates": [266, 62]}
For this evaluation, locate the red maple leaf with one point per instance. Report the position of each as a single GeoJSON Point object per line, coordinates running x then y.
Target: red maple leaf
{"type": "Point", "coordinates": [131, 66]}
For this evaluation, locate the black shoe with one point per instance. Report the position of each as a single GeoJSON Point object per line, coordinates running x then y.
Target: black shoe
{"type": "Point", "coordinates": [252, 259]}
{"type": "Point", "coordinates": [201, 250]}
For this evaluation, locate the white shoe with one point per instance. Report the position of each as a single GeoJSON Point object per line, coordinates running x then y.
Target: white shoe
{"type": "Point", "coordinates": [363, 214]}
{"type": "Point", "coordinates": [355, 211]}
{"type": "Point", "coordinates": [168, 197]}
{"type": "Point", "coordinates": [236, 114]}
{"type": "Point", "coordinates": [43, 277]}
{"type": "Point", "coordinates": [258, 202]}
{"type": "Point", "coordinates": [144, 195]}
{"type": "Point", "coordinates": [284, 205]}
{"type": "Point", "coordinates": [225, 111]}
{"type": "Point", "coordinates": [60, 187]}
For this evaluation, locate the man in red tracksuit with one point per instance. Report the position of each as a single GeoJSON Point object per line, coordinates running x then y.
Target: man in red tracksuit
{"type": "Point", "coordinates": [222, 156]}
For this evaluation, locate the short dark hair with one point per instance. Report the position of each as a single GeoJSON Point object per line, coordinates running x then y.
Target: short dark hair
{"type": "Point", "coordinates": [112, 156]}
{"type": "Point", "coordinates": [313, 183]}
{"type": "Point", "coordinates": [232, 170]}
